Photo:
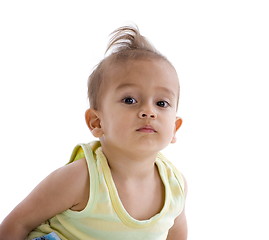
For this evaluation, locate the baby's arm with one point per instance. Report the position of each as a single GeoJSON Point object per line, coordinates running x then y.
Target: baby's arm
{"type": "Point", "coordinates": [179, 230]}
{"type": "Point", "coordinates": [61, 190]}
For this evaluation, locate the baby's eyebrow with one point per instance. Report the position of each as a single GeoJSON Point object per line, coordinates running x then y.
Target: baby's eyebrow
{"type": "Point", "coordinates": [126, 85]}
{"type": "Point", "coordinates": [158, 88]}
{"type": "Point", "coordinates": [167, 90]}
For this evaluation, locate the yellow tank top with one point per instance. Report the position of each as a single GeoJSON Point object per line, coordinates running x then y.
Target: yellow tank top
{"type": "Point", "coordinates": [105, 217]}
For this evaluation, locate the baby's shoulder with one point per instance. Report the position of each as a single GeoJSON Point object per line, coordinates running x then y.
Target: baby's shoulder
{"type": "Point", "coordinates": [79, 182]}
{"type": "Point", "coordinates": [71, 183]}
{"type": "Point", "coordinates": [75, 167]}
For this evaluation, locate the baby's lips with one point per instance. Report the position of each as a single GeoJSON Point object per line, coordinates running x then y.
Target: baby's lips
{"type": "Point", "coordinates": [146, 128]}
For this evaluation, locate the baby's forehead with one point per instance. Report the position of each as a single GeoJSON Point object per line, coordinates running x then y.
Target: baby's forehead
{"type": "Point", "coordinates": [127, 66]}
{"type": "Point", "coordinates": [137, 72]}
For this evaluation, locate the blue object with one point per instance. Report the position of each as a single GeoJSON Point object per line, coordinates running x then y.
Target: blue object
{"type": "Point", "coordinates": [50, 236]}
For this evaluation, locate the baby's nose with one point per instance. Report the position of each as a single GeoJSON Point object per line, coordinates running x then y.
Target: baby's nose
{"type": "Point", "coordinates": [147, 114]}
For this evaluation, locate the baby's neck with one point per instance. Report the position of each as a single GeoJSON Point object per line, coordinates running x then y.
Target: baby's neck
{"type": "Point", "coordinates": [129, 165]}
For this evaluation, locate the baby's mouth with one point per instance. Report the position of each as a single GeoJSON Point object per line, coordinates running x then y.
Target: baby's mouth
{"type": "Point", "coordinates": [146, 129]}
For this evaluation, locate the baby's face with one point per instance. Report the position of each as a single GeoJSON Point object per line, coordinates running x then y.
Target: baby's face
{"type": "Point", "coordinates": [139, 104]}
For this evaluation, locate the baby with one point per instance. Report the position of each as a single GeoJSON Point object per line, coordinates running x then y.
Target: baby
{"type": "Point", "coordinates": [119, 187]}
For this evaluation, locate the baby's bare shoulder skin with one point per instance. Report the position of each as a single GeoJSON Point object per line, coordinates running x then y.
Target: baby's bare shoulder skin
{"type": "Point", "coordinates": [65, 188]}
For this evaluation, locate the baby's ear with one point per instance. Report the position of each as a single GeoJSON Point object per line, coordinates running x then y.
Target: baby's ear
{"type": "Point", "coordinates": [93, 122]}
{"type": "Point", "coordinates": [178, 123]}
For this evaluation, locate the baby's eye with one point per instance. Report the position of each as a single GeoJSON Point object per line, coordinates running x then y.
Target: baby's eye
{"type": "Point", "coordinates": [163, 104]}
{"type": "Point", "coordinates": [129, 100]}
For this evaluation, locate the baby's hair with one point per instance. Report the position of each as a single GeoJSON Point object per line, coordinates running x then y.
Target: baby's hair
{"type": "Point", "coordinates": [129, 38]}
{"type": "Point", "coordinates": [125, 44]}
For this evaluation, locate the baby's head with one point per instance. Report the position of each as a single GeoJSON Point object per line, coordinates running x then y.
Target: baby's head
{"type": "Point", "coordinates": [126, 44]}
{"type": "Point", "coordinates": [135, 89]}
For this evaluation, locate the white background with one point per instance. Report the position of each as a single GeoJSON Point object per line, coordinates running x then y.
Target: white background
{"type": "Point", "coordinates": [220, 50]}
